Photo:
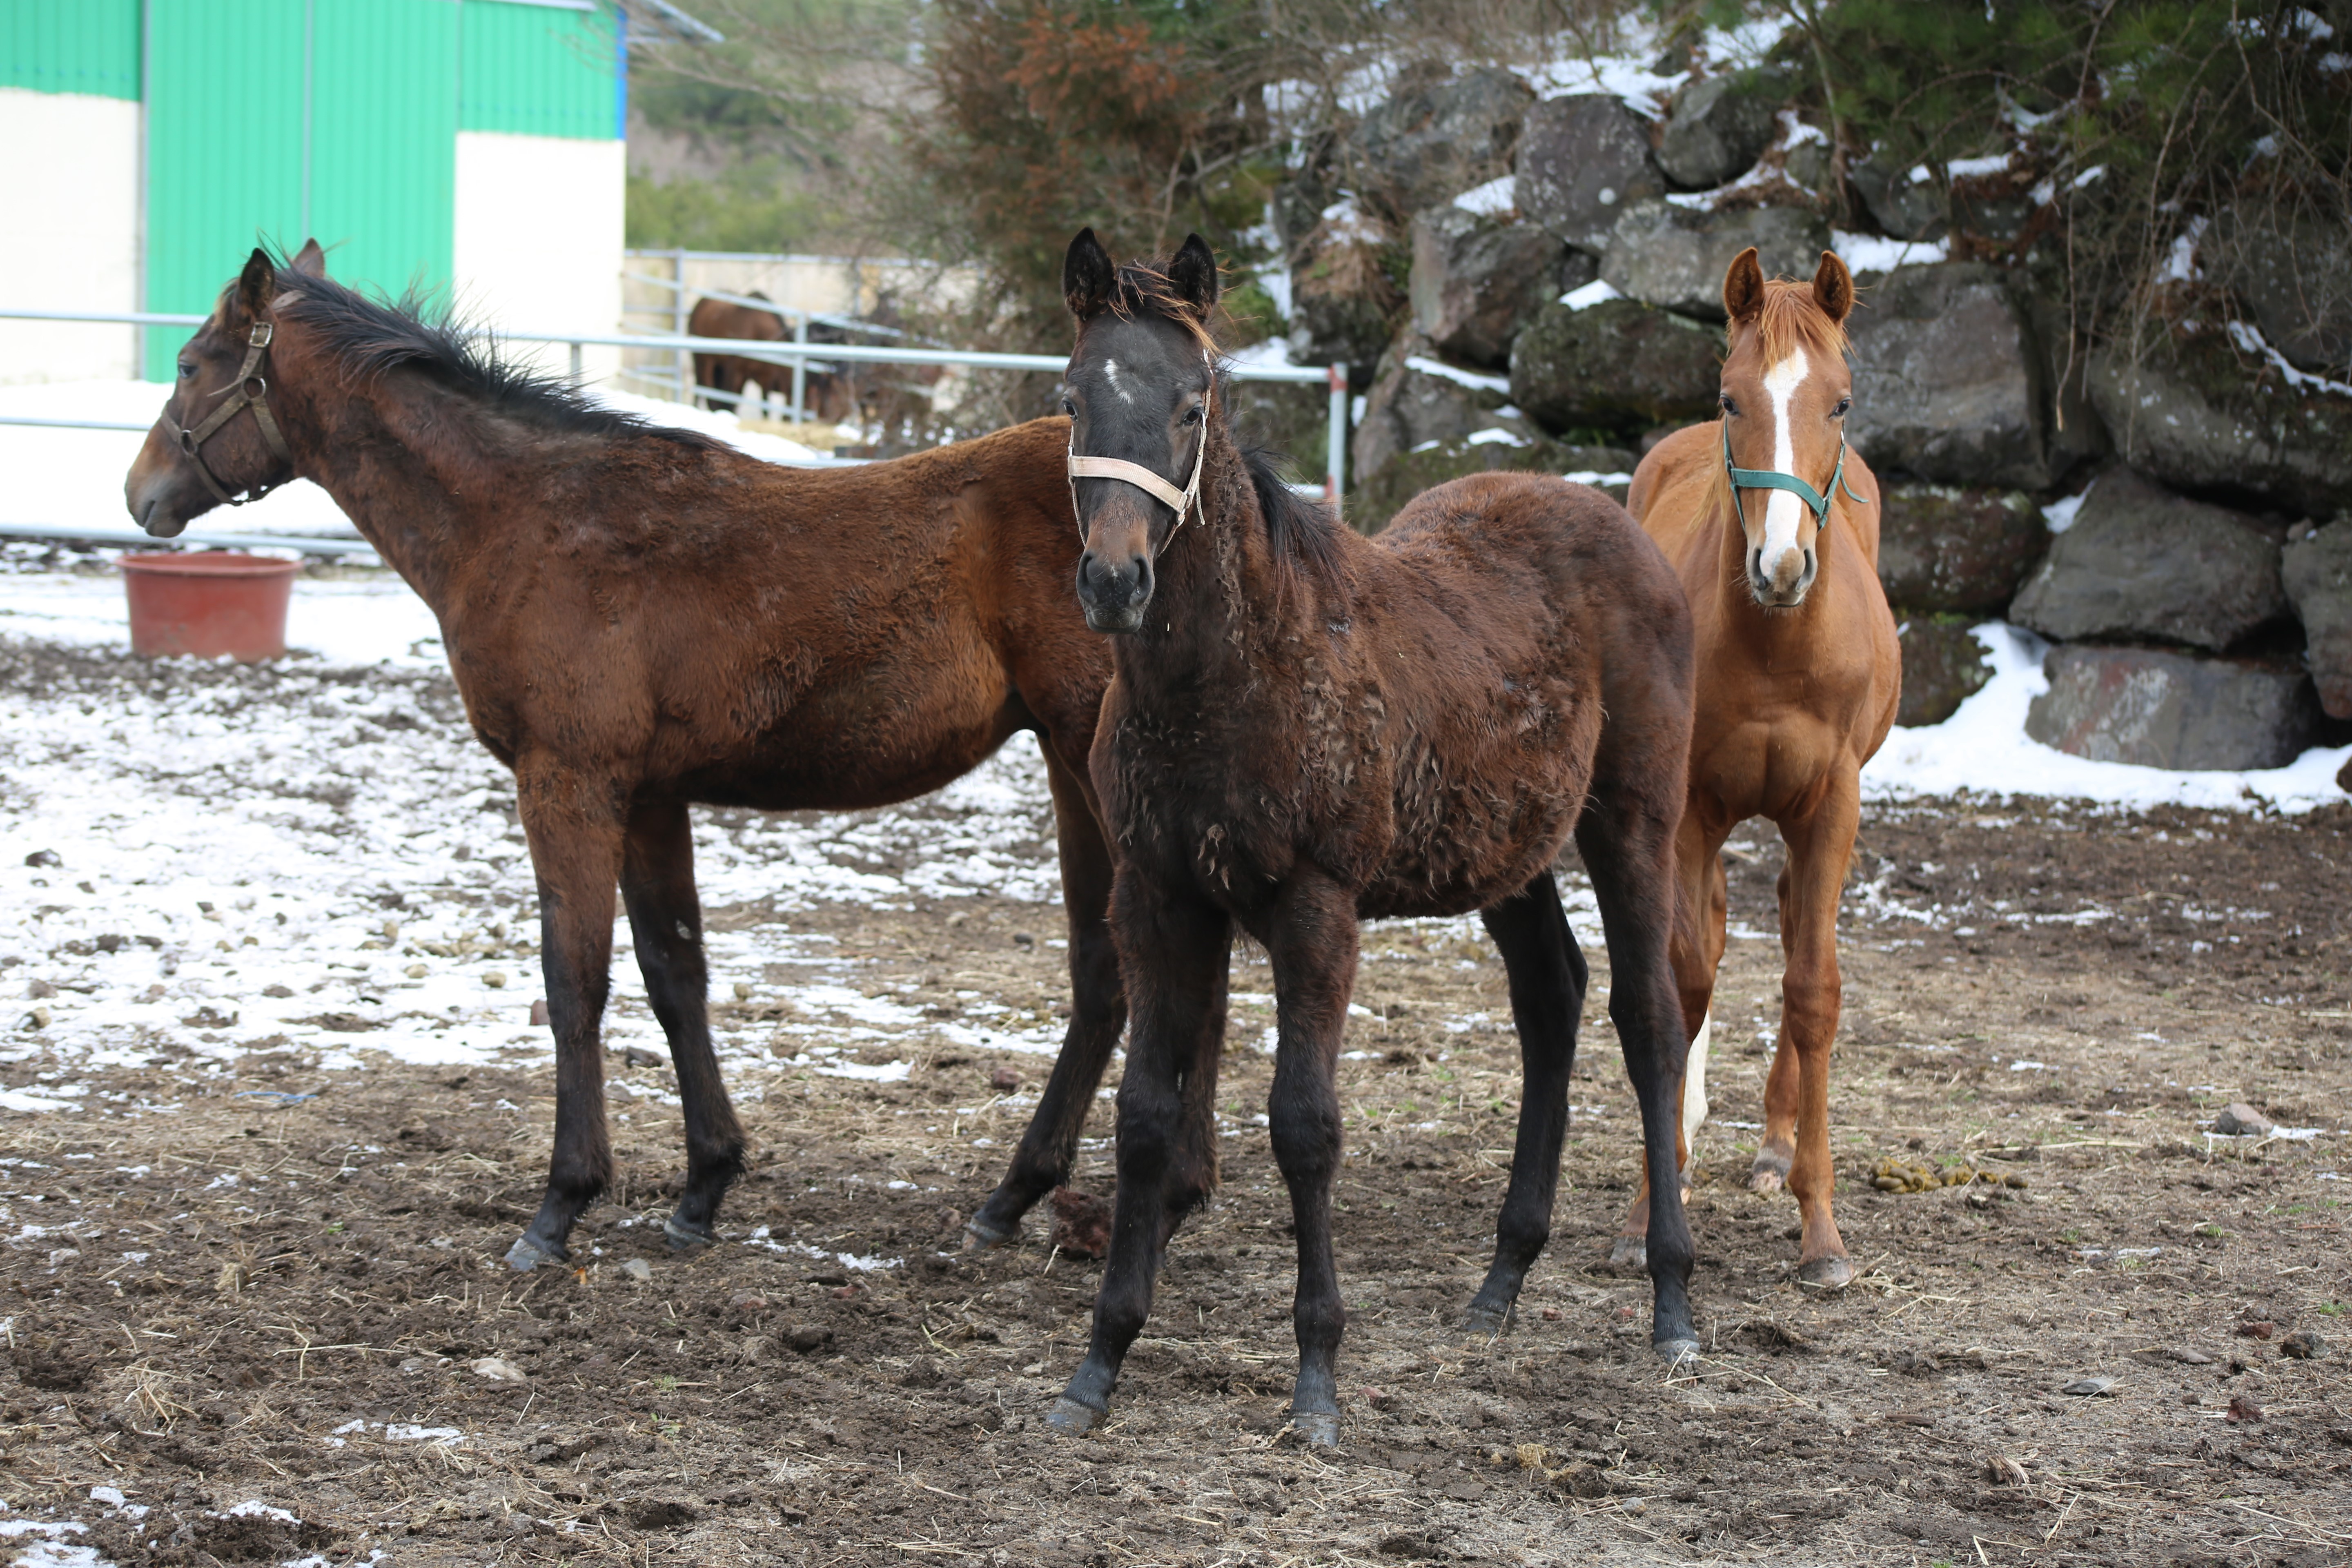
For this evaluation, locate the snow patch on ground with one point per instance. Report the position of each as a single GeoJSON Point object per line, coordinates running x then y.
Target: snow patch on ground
{"type": "Point", "coordinates": [1983, 750]}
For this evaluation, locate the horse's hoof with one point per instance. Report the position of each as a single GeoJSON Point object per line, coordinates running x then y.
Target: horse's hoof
{"type": "Point", "coordinates": [1630, 1252]}
{"type": "Point", "coordinates": [686, 1237]}
{"type": "Point", "coordinates": [1674, 1352]}
{"type": "Point", "coordinates": [1769, 1174]}
{"type": "Point", "coordinates": [1318, 1428]}
{"type": "Point", "coordinates": [1482, 1319]}
{"type": "Point", "coordinates": [526, 1255]}
{"type": "Point", "coordinates": [1830, 1273]}
{"type": "Point", "coordinates": [1072, 1419]}
{"type": "Point", "coordinates": [981, 1237]}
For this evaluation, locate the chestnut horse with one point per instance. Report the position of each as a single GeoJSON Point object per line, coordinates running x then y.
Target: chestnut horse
{"type": "Point", "coordinates": [640, 618]}
{"type": "Point", "coordinates": [1799, 676]}
{"type": "Point", "coordinates": [737, 373]}
{"type": "Point", "coordinates": [1306, 729]}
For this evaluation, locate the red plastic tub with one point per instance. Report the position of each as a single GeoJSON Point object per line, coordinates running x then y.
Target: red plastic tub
{"type": "Point", "coordinates": [208, 604]}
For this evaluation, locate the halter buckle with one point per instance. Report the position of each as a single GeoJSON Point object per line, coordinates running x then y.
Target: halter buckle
{"type": "Point", "coordinates": [261, 334]}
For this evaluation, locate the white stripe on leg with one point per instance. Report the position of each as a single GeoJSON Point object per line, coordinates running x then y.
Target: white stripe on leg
{"type": "Point", "coordinates": [1695, 1106]}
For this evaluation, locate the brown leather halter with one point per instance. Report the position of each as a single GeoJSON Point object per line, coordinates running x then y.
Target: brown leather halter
{"type": "Point", "coordinates": [252, 392]}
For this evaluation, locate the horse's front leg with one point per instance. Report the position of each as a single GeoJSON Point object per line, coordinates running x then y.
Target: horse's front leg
{"type": "Point", "coordinates": [1548, 978]}
{"type": "Point", "coordinates": [665, 923]}
{"type": "Point", "coordinates": [1097, 1014]}
{"type": "Point", "coordinates": [1311, 943]}
{"type": "Point", "coordinates": [575, 847]}
{"type": "Point", "coordinates": [1821, 846]}
{"type": "Point", "coordinates": [1177, 947]}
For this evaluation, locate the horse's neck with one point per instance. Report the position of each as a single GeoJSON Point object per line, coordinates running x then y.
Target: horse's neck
{"type": "Point", "coordinates": [1216, 602]}
{"type": "Point", "coordinates": [403, 493]}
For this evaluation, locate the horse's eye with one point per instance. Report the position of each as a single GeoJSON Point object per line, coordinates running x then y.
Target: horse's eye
{"type": "Point", "coordinates": [186, 370]}
{"type": "Point", "coordinates": [1728, 406]}
{"type": "Point", "coordinates": [1069, 408]}
{"type": "Point", "coordinates": [1843, 404]}
{"type": "Point", "coordinates": [1192, 415]}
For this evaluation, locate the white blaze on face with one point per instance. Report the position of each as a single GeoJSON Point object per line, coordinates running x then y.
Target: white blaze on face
{"type": "Point", "coordinates": [1784, 510]}
{"type": "Point", "coordinates": [1110, 373]}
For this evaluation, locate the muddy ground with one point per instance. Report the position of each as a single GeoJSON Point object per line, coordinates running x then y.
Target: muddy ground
{"type": "Point", "coordinates": [221, 1307]}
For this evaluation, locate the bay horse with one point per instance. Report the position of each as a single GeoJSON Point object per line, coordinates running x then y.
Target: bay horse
{"type": "Point", "coordinates": [737, 373]}
{"type": "Point", "coordinates": [1800, 675]}
{"type": "Point", "coordinates": [1306, 729]}
{"type": "Point", "coordinates": [639, 618]}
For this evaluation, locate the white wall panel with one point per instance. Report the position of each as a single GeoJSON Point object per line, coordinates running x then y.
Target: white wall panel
{"type": "Point", "coordinates": [541, 222]}
{"type": "Point", "coordinates": [70, 186]}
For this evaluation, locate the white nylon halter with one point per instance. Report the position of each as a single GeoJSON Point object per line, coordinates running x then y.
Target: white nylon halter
{"type": "Point", "coordinates": [1141, 478]}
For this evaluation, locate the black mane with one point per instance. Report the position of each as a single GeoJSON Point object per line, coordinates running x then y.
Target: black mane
{"type": "Point", "coordinates": [1299, 530]}
{"type": "Point", "coordinates": [369, 337]}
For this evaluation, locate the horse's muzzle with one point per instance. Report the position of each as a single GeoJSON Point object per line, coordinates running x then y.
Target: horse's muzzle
{"type": "Point", "coordinates": [1114, 594]}
{"type": "Point", "coordinates": [1784, 586]}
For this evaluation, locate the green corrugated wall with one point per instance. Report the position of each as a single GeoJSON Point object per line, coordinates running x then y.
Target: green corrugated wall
{"type": "Point", "coordinates": [368, 166]}
{"type": "Point", "coordinates": [534, 70]}
{"type": "Point", "coordinates": [224, 148]}
{"type": "Point", "coordinates": [70, 46]}
{"type": "Point", "coordinates": [384, 140]}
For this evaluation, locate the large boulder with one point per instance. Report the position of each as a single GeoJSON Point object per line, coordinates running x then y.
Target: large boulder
{"type": "Point", "coordinates": [1718, 127]}
{"type": "Point", "coordinates": [2196, 413]}
{"type": "Point", "coordinates": [2317, 572]}
{"type": "Point", "coordinates": [2142, 563]}
{"type": "Point", "coordinates": [2296, 279]}
{"type": "Point", "coordinates": [1675, 257]}
{"type": "Point", "coordinates": [1948, 380]}
{"type": "Point", "coordinates": [1429, 144]}
{"type": "Point", "coordinates": [1902, 206]}
{"type": "Point", "coordinates": [2169, 710]}
{"type": "Point", "coordinates": [1583, 160]}
{"type": "Point", "coordinates": [1943, 666]}
{"type": "Point", "coordinates": [1618, 365]}
{"type": "Point", "coordinates": [1417, 401]}
{"type": "Point", "coordinates": [1952, 551]}
{"type": "Point", "coordinates": [1475, 282]}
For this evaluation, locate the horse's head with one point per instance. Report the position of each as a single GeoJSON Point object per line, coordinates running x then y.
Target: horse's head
{"type": "Point", "coordinates": [1786, 390]}
{"type": "Point", "coordinates": [217, 439]}
{"type": "Point", "coordinates": [1138, 393]}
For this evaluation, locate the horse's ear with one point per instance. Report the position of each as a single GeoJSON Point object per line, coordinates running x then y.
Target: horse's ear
{"type": "Point", "coordinates": [1194, 275]}
{"type": "Point", "coordinates": [1743, 285]}
{"type": "Point", "coordinates": [257, 283]}
{"type": "Point", "coordinates": [1087, 276]}
{"type": "Point", "coordinates": [310, 260]}
{"type": "Point", "coordinates": [1832, 287]}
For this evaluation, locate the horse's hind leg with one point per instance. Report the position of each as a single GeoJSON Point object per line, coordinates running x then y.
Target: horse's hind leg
{"type": "Point", "coordinates": [1627, 841]}
{"type": "Point", "coordinates": [1097, 1014]}
{"type": "Point", "coordinates": [666, 923]}
{"type": "Point", "coordinates": [575, 847]}
{"type": "Point", "coordinates": [1697, 957]}
{"type": "Point", "coordinates": [1181, 948]}
{"type": "Point", "coordinates": [1547, 978]}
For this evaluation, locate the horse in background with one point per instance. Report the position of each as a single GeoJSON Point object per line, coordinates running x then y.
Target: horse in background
{"type": "Point", "coordinates": [737, 373]}
{"type": "Point", "coordinates": [1799, 673]}
{"type": "Point", "coordinates": [1307, 729]}
{"type": "Point", "coordinates": [641, 618]}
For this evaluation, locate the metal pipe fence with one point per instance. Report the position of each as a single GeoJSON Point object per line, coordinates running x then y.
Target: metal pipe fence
{"type": "Point", "coordinates": [1334, 377]}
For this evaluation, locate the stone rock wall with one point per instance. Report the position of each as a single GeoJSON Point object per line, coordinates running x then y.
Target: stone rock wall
{"type": "Point", "coordinates": [1469, 228]}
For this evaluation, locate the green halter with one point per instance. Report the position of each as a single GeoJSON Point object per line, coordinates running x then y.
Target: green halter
{"type": "Point", "coordinates": [1773, 479]}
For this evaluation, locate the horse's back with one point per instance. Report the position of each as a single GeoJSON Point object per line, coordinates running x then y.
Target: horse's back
{"type": "Point", "coordinates": [1485, 531]}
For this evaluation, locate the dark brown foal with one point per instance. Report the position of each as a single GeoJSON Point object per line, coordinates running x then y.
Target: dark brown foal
{"type": "Point", "coordinates": [1307, 729]}
{"type": "Point", "coordinates": [640, 618]}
